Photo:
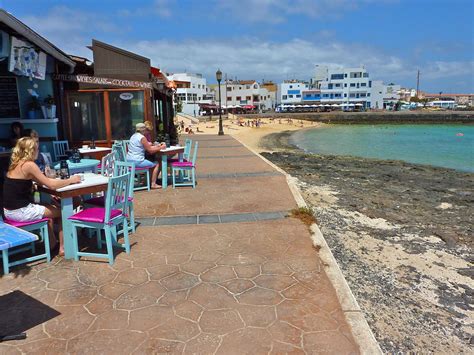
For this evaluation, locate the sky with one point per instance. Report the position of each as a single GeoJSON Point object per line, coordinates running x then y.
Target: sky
{"type": "Point", "coordinates": [273, 39]}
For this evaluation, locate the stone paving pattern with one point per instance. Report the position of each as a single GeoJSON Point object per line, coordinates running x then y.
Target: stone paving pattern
{"type": "Point", "coordinates": [234, 288]}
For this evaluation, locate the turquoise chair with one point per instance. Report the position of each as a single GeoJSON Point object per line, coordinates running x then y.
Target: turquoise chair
{"type": "Point", "coordinates": [187, 169]}
{"type": "Point", "coordinates": [59, 149]}
{"type": "Point", "coordinates": [119, 168]}
{"type": "Point", "coordinates": [11, 246]}
{"type": "Point", "coordinates": [119, 151]}
{"type": "Point", "coordinates": [106, 218]}
{"type": "Point", "coordinates": [186, 154]}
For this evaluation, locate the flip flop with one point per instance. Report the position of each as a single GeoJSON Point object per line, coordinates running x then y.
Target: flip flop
{"type": "Point", "coordinates": [156, 187]}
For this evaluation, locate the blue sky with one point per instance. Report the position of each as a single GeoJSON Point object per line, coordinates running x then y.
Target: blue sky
{"type": "Point", "coordinates": [274, 39]}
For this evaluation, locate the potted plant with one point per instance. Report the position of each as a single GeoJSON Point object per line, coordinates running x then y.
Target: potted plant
{"type": "Point", "coordinates": [33, 106]}
{"type": "Point", "coordinates": [49, 108]}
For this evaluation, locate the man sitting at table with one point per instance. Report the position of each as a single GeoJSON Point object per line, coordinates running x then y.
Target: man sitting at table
{"type": "Point", "coordinates": [136, 153]}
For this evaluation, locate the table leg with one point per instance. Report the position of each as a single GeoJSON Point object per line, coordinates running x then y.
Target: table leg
{"type": "Point", "coordinates": [66, 212]}
{"type": "Point", "coordinates": [164, 171]}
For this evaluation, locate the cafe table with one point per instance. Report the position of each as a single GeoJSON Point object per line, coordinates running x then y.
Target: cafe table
{"type": "Point", "coordinates": [165, 154]}
{"type": "Point", "coordinates": [92, 183]}
{"type": "Point", "coordinates": [82, 166]}
{"type": "Point", "coordinates": [96, 153]}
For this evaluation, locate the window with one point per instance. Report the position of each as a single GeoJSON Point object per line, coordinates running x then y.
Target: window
{"type": "Point", "coordinates": [199, 86]}
{"type": "Point", "coordinates": [366, 75]}
{"type": "Point", "coordinates": [290, 96]}
{"type": "Point", "coordinates": [291, 86]}
{"type": "Point", "coordinates": [337, 85]}
{"type": "Point", "coordinates": [229, 88]}
{"type": "Point", "coordinates": [284, 97]}
{"type": "Point", "coordinates": [362, 94]}
{"type": "Point", "coordinates": [298, 95]}
{"type": "Point", "coordinates": [238, 98]}
{"type": "Point", "coordinates": [247, 87]}
{"type": "Point", "coordinates": [363, 84]}
{"type": "Point", "coordinates": [87, 115]}
{"type": "Point", "coordinates": [351, 95]}
{"type": "Point", "coordinates": [345, 85]}
{"type": "Point", "coordinates": [255, 86]}
{"type": "Point", "coordinates": [345, 95]}
{"type": "Point", "coordinates": [240, 87]}
{"type": "Point", "coordinates": [190, 97]}
{"type": "Point", "coordinates": [345, 75]}
{"type": "Point", "coordinates": [370, 83]}
{"type": "Point", "coordinates": [368, 94]}
{"type": "Point", "coordinates": [125, 113]}
{"type": "Point", "coordinates": [248, 98]}
{"type": "Point", "coordinates": [337, 76]}
{"type": "Point", "coordinates": [353, 85]}
{"type": "Point", "coordinates": [229, 98]}
{"type": "Point", "coordinates": [329, 86]}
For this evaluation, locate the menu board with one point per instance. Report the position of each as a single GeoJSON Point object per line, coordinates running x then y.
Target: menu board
{"type": "Point", "coordinates": [9, 104]}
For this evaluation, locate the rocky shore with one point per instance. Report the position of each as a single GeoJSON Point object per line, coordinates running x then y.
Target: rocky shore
{"type": "Point", "coordinates": [402, 235]}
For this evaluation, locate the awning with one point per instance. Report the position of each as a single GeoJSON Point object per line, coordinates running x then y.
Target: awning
{"type": "Point", "coordinates": [249, 107]}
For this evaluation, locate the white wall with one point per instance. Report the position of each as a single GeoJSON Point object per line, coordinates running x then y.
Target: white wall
{"type": "Point", "coordinates": [192, 96]}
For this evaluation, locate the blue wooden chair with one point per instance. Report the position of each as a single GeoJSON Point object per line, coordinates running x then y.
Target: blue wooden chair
{"type": "Point", "coordinates": [106, 218]}
{"type": "Point", "coordinates": [125, 144]}
{"type": "Point", "coordinates": [119, 168]}
{"type": "Point", "coordinates": [186, 154]}
{"type": "Point", "coordinates": [12, 241]}
{"type": "Point", "coordinates": [187, 169]}
{"type": "Point", "coordinates": [60, 148]}
{"type": "Point", "coordinates": [119, 151]}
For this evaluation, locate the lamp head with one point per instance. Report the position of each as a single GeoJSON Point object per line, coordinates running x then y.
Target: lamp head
{"type": "Point", "coordinates": [218, 75]}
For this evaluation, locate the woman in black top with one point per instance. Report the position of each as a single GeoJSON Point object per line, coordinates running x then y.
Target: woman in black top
{"type": "Point", "coordinates": [18, 185]}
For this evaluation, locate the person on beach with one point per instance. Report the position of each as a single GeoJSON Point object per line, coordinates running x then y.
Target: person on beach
{"type": "Point", "coordinates": [136, 153]}
{"type": "Point", "coordinates": [18, 187]}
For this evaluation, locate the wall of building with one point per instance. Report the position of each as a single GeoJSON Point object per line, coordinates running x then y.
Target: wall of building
{"type": "Point", "coordinates": [193, 95]}
{"type": "Point", "coordinates": [291, 92]}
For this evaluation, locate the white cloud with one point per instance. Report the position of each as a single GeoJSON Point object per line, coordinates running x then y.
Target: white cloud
{"type": "Point", "coordinates": [276, 11]}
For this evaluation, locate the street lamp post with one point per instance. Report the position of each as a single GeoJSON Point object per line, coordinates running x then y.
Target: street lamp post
{"type": "Point", "coordinates": [219, 78]}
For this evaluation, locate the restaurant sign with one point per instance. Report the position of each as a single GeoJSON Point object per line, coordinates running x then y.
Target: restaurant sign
{"type": "Point", "coordinates": [102, 81]}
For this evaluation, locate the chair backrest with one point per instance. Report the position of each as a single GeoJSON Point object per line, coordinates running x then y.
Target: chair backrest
{"type": "Point", "coordinates": [195, 152]}
{"type": "Point", "coordinates": [119, 151]}
{"type": "Point", "coordinates": [122, 168]}
{"type": "Point", "coordinates": [125, 144]}
{"type": "Point", "coordinates": [117, 195]}
{"type": "Point", "coordinates": [187, 148]}
{"type": "Point", "coordinates": [108, 164]}
{"type": "Point", "coordinates": [59, 148]}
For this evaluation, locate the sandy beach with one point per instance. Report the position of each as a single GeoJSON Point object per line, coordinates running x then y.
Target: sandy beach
{"type": "Point", "coordinates": [401, 233]}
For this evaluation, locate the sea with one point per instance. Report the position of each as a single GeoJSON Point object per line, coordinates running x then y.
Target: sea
{"type": "Point", "coordinates": [441, 145]}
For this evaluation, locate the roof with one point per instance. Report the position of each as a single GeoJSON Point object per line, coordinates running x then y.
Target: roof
{"type": "Point", "coordinates": [33, 37]}
{"type": "Point", "coordinates": [246, 82]}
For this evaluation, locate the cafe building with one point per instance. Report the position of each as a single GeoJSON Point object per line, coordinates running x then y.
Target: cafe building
{"type": "Point", "coordinates": [28, 93]}
{"type": "Point", "coordinates": [105, 99]}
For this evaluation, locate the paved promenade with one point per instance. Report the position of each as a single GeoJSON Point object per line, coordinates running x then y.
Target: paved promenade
{"type": "Point", "coordinates": [216, 269]}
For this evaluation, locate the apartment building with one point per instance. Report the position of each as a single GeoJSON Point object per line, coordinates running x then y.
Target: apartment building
{"type": "Point", "coordinates": [245, 93]}
{"type": "Point", "coordinates": [191, 90]}
{"type": "Point", "coordinates": [290, 91]}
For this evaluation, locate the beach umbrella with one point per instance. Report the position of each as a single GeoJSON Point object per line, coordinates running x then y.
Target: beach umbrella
{"type": "Point", "coordinates": [327, 105]}
{"type": "Point", "coordinates": [335, 105]}
{"type": "Point", "coordinates": [307, 106]}
{"type": "Point", "coordinates": [359, 104]}
{"type": "Point", "coordinates": [314, 106]}
{"type": "Point", "coordinates": [351, 105]}
{"type": "Point", "coordinates": [342, 105]}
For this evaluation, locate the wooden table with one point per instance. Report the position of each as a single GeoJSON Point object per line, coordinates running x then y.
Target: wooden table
{"type": "Point", "coordinates": [82, 166]}
{"type": "Point", "coordinates": [96, 153]}
{"type": "Point", "coordinates": [165, 154]}
{"type": "Point", "coordinates": [92, 183]}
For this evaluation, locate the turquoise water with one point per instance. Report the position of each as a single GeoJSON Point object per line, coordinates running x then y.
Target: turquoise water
{"type": "Point", "coordinates": [437, 145]}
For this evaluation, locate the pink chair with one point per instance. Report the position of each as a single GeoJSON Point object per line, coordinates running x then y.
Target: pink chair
{"type": "Point", "coordinates": [114, 213]}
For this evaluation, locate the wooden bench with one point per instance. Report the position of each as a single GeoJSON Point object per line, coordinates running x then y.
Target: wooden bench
{"type": "Point", "coordinates": [11, 238]}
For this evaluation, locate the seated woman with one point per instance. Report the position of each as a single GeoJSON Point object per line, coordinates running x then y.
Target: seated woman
{"type": "Point", "coordinates": [136, 152]}
{"type": "Point", "coordinates": [18, 187]}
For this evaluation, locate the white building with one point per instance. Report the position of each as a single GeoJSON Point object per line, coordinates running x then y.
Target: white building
{"type": "Point", "coordinates": [290, 91]}
{"type": "Point", "coordinates": [353, 87]}
{"type": "Point", "coordinates": [191, 91]}
{"type": "Point", "coordinates": [245, 93]}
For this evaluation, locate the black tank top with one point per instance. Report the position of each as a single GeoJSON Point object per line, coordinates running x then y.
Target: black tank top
{"type": "Point", "coordinates": [17, 193]}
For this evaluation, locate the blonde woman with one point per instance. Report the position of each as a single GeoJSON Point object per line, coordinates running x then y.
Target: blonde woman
{"type": "Point", "coordinates": [18, 186]}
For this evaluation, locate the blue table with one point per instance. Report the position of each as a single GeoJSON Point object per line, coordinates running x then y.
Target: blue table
{"type": "Point", "coordinates": [11, 237]}
{"type": "Point", "coordinates": [165, 154]}
{"type": "Point", "coordinates": [83, 166]}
